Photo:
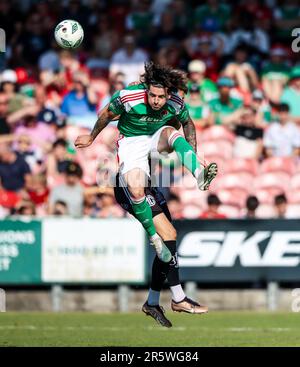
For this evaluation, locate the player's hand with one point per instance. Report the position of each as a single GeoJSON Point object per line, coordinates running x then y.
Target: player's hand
{"type": "Point", "coordinates": [83, 141]}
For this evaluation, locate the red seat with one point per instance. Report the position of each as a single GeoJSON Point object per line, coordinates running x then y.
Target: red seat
{"type": "Point", "coordinates": [294, 196]}
{"type": "Point", "coordinates": [238, 165]}
{"type": "Point", "coordinates": [293, 211]}
{"type": "Point", "coordinates": [216, 133]}
{"type": "Point", "coordinates": [278, 164]}
{"type": "Point", "coordinates": [230, 211]}
{"type": "Point", "coordinates": [230, 181]}
{"type": "Point", "coordinates": [266, 196]}
{"type": "Point", "coordinates": [276, 180]}
{"type": "Point", "coordinates": [234, 197]}
{"type": "Point", "coordinates": [265, 211]}
{"type": "Point", "coordinates": [222, 149]}
{"type": "Point", "coordinates": [295, 182]}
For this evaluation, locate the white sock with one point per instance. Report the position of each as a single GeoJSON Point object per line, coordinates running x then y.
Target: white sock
{"type": "Point", "coordinates": [154, 237]}
{"type": "Point", "coordinates": [177, 293]}
{"type": "Point", "coordinates": [198, 172]}
{"type": "Point", "coordinates": [153, 297]}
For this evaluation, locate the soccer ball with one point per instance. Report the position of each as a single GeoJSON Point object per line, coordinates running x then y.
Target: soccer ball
{"type": "Point", "coordinates": [68, 34]}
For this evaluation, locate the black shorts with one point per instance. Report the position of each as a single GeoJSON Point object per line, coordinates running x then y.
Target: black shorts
{"type": "Point", "coordinates": [154, 197]}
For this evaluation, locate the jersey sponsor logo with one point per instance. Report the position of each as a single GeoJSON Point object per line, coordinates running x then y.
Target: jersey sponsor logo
{"type": "Point", "coordinates": [150, 200]}
{"type": "Point", "coordinates": [149, 119]}
{"type": "Point", "coordinates": [223, 249]}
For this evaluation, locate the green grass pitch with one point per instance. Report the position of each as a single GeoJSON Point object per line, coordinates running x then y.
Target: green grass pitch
{"type": "Point", "coordinates": [136, 329]}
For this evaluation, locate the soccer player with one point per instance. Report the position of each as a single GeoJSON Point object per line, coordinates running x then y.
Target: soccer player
{"type": "Point", "coordinates": [160, 270]}
{"type": "Point", "coordinates": [145, 110]}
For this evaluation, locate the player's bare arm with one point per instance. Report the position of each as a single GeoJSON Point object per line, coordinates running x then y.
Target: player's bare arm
{"type": "Point", "coordinates": [105, 116]}
{"type": "Point", "coordinates": [190, 132]}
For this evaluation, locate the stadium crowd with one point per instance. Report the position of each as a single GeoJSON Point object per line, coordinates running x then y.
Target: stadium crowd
{"type": "Point", "coordinates": [244, 97]}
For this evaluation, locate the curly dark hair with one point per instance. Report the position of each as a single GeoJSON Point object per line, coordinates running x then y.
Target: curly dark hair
{"type": "Point", "coordinates": [165, 77]}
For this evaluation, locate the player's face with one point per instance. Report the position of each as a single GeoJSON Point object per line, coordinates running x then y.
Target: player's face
{"type": "Point", "coordinates": [157, 97]}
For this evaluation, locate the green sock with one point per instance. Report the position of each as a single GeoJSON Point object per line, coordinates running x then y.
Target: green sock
{"type": "Point", "coordinates": [186, 155]}
{"type": "Point", "coordinates": [143, 213]}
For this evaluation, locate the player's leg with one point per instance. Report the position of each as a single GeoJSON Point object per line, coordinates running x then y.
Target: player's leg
{"type": "Point", "coordinates": [169, 139]}
{"type": "Point", "coordinates": [134, 170]}
{"type": "Point", "coordinates": [136, 180]}
{"type": "Point", "coordinates": [180, 302]}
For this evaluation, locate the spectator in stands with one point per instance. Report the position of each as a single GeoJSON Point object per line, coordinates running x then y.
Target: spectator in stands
{"type": "Point", "coordinates": [282, 138]}
{"type": "Point", "coordinates": [107, 204]}
{"type": "Point", "coordinates": [212, 212]}
{"type": "Point", "coordinates": [280, 203]}
{"type": "Point", "coordinates": [4, 125]}
{"type": "Point", "coordinates": [252, 204]}
{"type": "Point", "coordinates": [60, 208]}
{"type": "Point", "coordinates": [241, 70]}
{"type": "Point", "coordinates": [262, 108]}
{"type": "Point", "coordinates": [141, 20]}
{"type": "Point", "coordinates": [26, 207]}
{"type": "Point", "coordinates": [175, 206]}
{"type": "Point", "coordinates": [207, 88]}
{"type": "Point", "coordinates": [291, 94]}
{"type": "Point", "coordinates": [275, 74]}
{"type": "Point", "coordinates": [216, 12]}
{"type": "Point", "coordinates": [80, 103]}
{"type": "Point", "coordinates": [226, 109]}
{"type": "Point", "coordinates": [9, 87]}
{"type": "Point", "coordinates": [58, 159]}
{"type": "Point", "coordinates": [249, 137]}
{"type": "Point", "coordinates": [14, 171]}
{"type": "Point", "coordinates": [71, 192]}
{"type": "Point", "coordinates": [199, 112]}
{"type": "Point", "coordinates": [129, 60]}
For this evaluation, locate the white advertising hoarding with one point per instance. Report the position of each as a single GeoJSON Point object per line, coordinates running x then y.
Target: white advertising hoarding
{"type": "Point", "coordinates": [93, 250]}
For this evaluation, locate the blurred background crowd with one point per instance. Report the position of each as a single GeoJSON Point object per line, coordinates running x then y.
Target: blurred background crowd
{"type": "Point", "coordinates": [244, 97]}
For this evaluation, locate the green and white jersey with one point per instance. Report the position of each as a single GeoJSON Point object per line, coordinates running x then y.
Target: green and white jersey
{"type": "Point", "coordinates": [136, 115]}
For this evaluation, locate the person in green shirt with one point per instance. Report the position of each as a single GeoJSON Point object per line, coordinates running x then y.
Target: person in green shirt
{"type": "Point", "coordinates": [213, 10]}
{"type": "Point", "coordinates": [207, 87]}
{"type": "Point", "coordinates": [145, 111]}
{"type": "Point", "coordinates": [275, 74]}
{"type": "Point", "coordinates": [226, 109]}
{"type": "Point", "coordinates": [199, 112]}
{"type": "Point", "coordinates": [291, 94]}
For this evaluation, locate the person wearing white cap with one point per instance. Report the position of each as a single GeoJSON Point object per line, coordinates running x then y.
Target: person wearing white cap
{"type": "Point", "coordinates": [207, 88]}
{"type": "Point", "coordinates": [9, 87]}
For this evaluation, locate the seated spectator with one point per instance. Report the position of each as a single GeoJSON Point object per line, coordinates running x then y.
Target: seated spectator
{"type": "Point", "coordinates": [214, 11]}
{"type": "Point", "coordinates": [4, 125]}
{"type": "Point", "coordinates": [108, 207]}
{"type": "Point", "coordinates": [291, 94]}
{"type": "Point", "coordinates": [81, 102]}
{"type": "Point", "coordinates": [213, 203]}
{"type": "Point", "coordinates": [128, 60]}
{"type": "Point", "coordinates": [275, 74]}
{"type": "Point", "coordinates": [71, 192]}
{"type": "Point", "coordinates": [37, 189]}
{"type": "Point", "coordinates": [241, 70]}
{"type": "Point", "coordinates": [262, 108]}
{"type": "Point", "coordinates": [14, 171]}
{"type": "Point", "coordinates": [9, 87]}
{"type": "Point", "coordinates": [280, 203]}
{"type": "Point", "coordinates": [175, 206]}
{"type": "Point", "coordinates": [252, 204]}
{"type": "Point", "coordinates": [58, 160]}
{"type": "Point", "coordinates": [249, 137]}
{"type": "Point", "coordinates": [60, 208]}
{"type": "Point", "coordinates": [34, 157]}
{"type": "Point", "coordinates": [286, 15]}
{"type": "Point", "coordinates": [207, 88]}
{"type": "Point", "coordinates": [226, 109]}
{"type": "Point", "coordinates": [198, 111]}
{"type": "Point", "coordinates": [25, 207]}
{"type": "Point", "coordinates": [282, 138]}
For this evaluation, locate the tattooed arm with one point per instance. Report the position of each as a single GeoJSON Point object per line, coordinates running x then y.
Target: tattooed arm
{"type": "Point", "coordinates": [190, 132]}
{"type": "Point", "coordinates": [105, 116]}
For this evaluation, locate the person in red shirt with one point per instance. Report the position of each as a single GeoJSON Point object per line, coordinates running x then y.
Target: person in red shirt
{"type": "Point", "coordinates": [213, 203]}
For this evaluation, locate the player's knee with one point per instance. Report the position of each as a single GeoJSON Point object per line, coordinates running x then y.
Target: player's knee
{"type": "Point", "coordinates": [168, 131]}
{"type": "Point", "coordinates": [137, 194]}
